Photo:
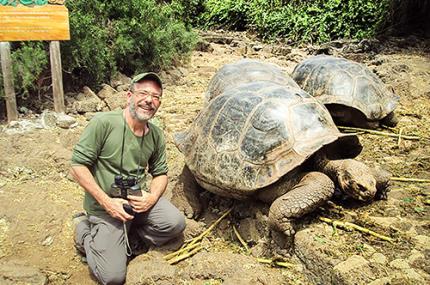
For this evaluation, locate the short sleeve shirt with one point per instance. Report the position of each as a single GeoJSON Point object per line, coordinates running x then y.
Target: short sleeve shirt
{"type": "Point", "coordinates": [100, 147]}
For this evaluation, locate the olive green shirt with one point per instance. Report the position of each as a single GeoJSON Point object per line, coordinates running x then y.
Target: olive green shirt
{"type": "Point", "coordinates": [99, 148]}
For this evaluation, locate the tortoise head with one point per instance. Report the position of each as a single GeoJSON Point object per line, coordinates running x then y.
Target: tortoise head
{"type": "Point", "coordinates": [355, 179]}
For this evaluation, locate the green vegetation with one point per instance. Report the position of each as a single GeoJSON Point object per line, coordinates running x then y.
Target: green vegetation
{"type": "Point", "coordinates": [107, 36]}
{"type": "Point", "coordinates": [130, 36]}
{"type": "Point", "coordinates": [299, 21]}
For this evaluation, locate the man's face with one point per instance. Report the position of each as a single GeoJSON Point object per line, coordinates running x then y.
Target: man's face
{"type": "Point", "coordinates": [144, 101]}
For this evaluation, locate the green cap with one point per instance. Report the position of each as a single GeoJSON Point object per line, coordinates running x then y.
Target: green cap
{"type": "Point", "coordinates": [149, 76]}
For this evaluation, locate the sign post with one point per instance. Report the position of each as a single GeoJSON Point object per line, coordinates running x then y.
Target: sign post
{"type": "Point", "coordinates": [36, 22]}
{"type": "Point", "coordinates": [6, 66]}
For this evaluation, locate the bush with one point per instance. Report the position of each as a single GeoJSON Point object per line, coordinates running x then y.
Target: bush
{"type": "Point", "coordinates": [301, 21]}
{"type": "Point", "coordinates": [29, 60]}
{"type": "Point", "coordinates": [107, 36]}
{"type": "Point", "coordinates": [130, 36]}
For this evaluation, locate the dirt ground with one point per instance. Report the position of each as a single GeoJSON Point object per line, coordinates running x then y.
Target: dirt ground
{"type": "Point", "coordinates": [37, 199]}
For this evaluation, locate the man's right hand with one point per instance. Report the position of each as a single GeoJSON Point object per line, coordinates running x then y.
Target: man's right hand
{"type": "Point", "coordinates": [114, 207]}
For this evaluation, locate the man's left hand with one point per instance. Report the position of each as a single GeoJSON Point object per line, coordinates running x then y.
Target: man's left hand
{"type": "Point", "coordinates": [142, 203]}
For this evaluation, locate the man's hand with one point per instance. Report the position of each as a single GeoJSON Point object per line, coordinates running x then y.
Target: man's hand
{"type": "Point", "coordinates": [114, 207]}
{"type": "Point", "coordinates": [142, 203]}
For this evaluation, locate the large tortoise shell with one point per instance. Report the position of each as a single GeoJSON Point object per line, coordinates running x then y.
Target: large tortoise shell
{"type": "Point", "coordinates": [252, 134]}
{"type": "Point", "coordinates": [340, 81]}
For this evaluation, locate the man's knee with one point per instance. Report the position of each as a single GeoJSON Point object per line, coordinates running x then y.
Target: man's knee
{"type": "Point", "coordinates": [112, 277]}
{"type": "Point", "coordinates": [175, 224]}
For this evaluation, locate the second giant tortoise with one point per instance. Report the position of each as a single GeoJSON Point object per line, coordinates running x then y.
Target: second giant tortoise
{"type": "Point", "coordinates": [277, 143]}
{"type": "Point", "coordinates": [246, 71]}
{"type": "Point", "coordinates": [353, 94]}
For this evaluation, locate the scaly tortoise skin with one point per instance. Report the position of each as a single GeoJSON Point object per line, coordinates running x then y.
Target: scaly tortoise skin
{"type": "Point", "coordinates": [353, 94]}
{"type": "Point", "coordinates": [274, 142]}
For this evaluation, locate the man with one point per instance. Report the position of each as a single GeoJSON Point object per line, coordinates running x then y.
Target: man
{"type": "Point", "coordinates": [123, 143]}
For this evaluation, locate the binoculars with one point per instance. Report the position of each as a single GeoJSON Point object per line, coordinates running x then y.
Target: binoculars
{"type": "Point", "coordinates": [124, 186]}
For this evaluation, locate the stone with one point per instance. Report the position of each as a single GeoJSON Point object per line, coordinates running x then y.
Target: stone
{"type": "Point", "coordinates": [204, 46]}
{"type": "Point", "coordinates": [248, 229]}
{"type": "Point", "coordinates": [281, 50]}
{"type": "Point", "coordinates": [422, 242]}
{"type": "Point", "coordinates": [117, 100]}
{"type": "Point", "coordinates": [414, 276]}
{"type": "Point", "coordinates": [385, 222]}
{"type": "Point", "coordinates": [14, 273]}
{"type": "Point", "coordinates": [65, 121]}
{"type": "Point", "coordinates": [379, 258]}
{"type": "Point", "coordinates": [106, 92]}
{"type": "Point", "coordinates": [257, 47]}
{"type": "Point", "coordinates": [119, 79]}
{"type": "Point", "coordinates": [193, 228]}
{"type": "Point", "coordinates": [87, 101]}
{"type": "Point", "coordinates": [151, 269]}
{"type": "Point", "coordinates": [381, 281]}
{"type": "Point", "coordinates": [48, 119]}
{"type": "Point", "coordinates": [353, 262]}
{"type": "Point", "coordinates": [415, 256]}
{"type": "Point", "coordinates": [399, 264]}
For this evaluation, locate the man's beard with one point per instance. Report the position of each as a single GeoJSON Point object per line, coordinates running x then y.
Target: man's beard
{"type": "Point", "coordinates": [138, 116]}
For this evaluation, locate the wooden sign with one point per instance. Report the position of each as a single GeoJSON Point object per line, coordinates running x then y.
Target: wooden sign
{"type": "Point", "coordinates": [22, 23]}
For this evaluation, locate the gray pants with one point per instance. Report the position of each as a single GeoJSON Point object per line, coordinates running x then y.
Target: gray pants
{"type": "Point", "coordinates": [104, 241]}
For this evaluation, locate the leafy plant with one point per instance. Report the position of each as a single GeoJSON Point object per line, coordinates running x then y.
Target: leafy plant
{"type": "Point", "coordinates": [129, 36]}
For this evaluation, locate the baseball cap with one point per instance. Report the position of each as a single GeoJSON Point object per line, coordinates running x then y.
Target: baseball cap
{"type": "Point", "coordinates": [149, 76]}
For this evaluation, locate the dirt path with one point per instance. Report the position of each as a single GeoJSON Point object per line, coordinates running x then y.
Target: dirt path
{"type": "Point", "coordinates": [37, 200]}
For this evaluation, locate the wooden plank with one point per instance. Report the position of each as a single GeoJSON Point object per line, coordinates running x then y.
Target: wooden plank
{"type": "Point", "coordinates": [57, 77]}
{"type": "Point", "coordinates": [6, 66]}
{"type": "Point", "coordinates": [22, 23]}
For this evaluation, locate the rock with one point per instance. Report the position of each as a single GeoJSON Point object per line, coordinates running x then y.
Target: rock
{"type": "Point", "coordinates": [48, 119]}
{"type": "Point", "coordinates": [48, 241]}
{"type": "Point", "coordinates": [106, 92]}
{"type": "Point", "coordinates": [193, 228]}
{"type": "Point", "coordinates": [231, 268]}
{"type": "Point", "coordinates": [354, 270]}
{"type": "Point", "coordinates": [22, 126]}
{"type": "Point", "coordinates": [204, 46]}
{"type": "Point", "coordinates": [381, 281]}
{"type": "Point", "coordinates": [119, 79]}
{"type": "Point", "coordinates": [15, 274]}
{"type": "Point", "coordinates": [351, 264]}
{"type": "Point", "coordinates": [65, 121]}
{"type": "Point", "coordinates": [257, 47]}
{"type": "Point", "coordinates": [379, 258]}
{"type": "Point", "coordinates": [399, 264]}
{"type": "Point", "coordinates": [249, 230]}
{"type": "Point", "coordinates": [422, 242]}
{"type": "Point", "coordinates": [414, 256]}
{"type": "Point", "coordinates": [414, 277]}
{"type": "Point", "coordinates": [151, 269]}
{"type": "Point", "coordinates": [385, 222]}
{"type": "Point", "coordinates": [51, 119]}
{"type": "Point", "coordinates": [123, 88]}
{"type": "Point", "coordinates": [117, 100]}
{"type": "Point", "coordinates": [87, 101]}
{"type": "Point", "coordinates": [281, 50]}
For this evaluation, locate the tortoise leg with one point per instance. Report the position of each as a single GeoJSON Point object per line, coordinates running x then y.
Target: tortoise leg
{"type": "Point", "coordinates": [186, 194]}
{"type": "Point", "coordinates": [312, 191]}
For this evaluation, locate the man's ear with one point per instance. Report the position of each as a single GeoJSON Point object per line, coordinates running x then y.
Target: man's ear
{"type": "Point", "coordinates": [128, 96]}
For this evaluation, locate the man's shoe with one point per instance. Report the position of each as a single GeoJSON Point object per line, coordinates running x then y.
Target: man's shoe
{"type": "Point", "coordinates": [78, 218]}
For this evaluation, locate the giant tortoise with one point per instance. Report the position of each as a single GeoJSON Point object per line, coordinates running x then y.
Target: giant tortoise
{"type": "Point", "coordinates": [245, 71]}
{"type": "Point", "coordinates": [353, 94]}
{"type": "Point", "coordinates": [255, 134]}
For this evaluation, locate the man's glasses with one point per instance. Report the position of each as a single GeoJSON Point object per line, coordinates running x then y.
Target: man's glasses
{"type": "Point", "coordinates": [145, 94]}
